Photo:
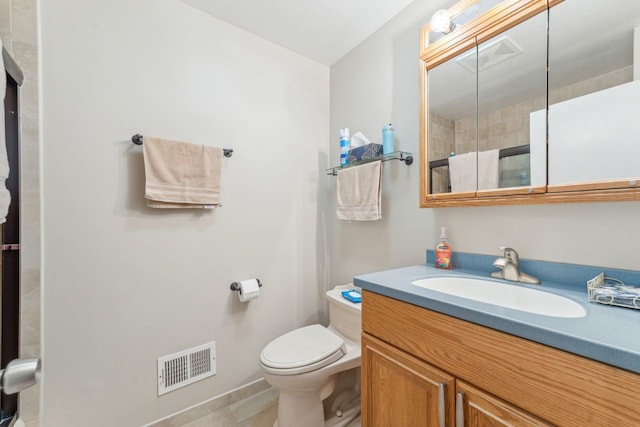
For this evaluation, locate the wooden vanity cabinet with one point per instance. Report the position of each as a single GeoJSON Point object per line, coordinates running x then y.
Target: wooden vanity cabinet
{"type": "Point", "coordinates": [402, 390]}
{"type": "Point", "coordinates": [477, 408]}
{"type": "Point", "coordinates": [414, 358]}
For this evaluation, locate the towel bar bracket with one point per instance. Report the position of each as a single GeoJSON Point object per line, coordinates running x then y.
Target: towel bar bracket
{"type": "Point", "coordinates": [407, 160]}
{"type": "Point", "coordinates": [138, 140]}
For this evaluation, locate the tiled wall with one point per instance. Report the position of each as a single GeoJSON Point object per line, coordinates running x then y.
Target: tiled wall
{"type": "Point", "coordinates": [604, 81]}
{"type": "Point", "coordinates": [18, 30]}
{"type": "Point", "coordinates": [442, 133]}
{"type": "Point", "coordinates": [509, 127]}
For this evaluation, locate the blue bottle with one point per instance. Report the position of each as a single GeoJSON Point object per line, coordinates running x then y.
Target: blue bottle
{"type": "Point", "coordinates": [388, 139]}
{"type": "Point", "coordinates": [344, 146]}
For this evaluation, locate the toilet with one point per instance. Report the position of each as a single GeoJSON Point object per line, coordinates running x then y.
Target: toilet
{"type": "Point", "coordinates": [304, 365]}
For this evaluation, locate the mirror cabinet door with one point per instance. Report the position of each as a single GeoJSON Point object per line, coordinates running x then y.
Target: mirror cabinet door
{"type": "Point", "coordinates": [594, 95]}
{"type": "Point", "coordinates": [487, 115]}
{"type": "Point", "coordinates": [512, 102]}
{"type": "Point", "coordinates": [452, 115]}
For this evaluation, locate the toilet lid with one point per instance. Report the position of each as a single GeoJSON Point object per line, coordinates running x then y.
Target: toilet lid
{"type": "Point", "coordinates": [303, 350]}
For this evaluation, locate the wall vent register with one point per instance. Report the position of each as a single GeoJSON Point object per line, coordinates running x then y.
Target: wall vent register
{"type": "Point", "coordinates": [186, 367]}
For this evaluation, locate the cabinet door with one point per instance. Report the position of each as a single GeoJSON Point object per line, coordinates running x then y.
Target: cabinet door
{"type": "Point", "coordinates": [401, 390]}
{"type": "Point", "coordinates": [476, 408]}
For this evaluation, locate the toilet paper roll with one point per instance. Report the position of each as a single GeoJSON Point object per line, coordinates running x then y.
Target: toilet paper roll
{"type": "Point", "coordinates": [249, 289]}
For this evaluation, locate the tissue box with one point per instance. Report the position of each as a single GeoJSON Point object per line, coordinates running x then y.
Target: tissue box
{"type": "Point", "coordinates": [365, 152]}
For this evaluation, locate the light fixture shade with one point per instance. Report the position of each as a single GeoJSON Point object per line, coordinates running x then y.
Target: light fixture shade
{"type": "Point", "coordinates": [440, 22]}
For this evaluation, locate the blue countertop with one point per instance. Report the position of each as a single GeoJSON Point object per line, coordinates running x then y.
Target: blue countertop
{"type": "Point", "coordinates": [607, 334]}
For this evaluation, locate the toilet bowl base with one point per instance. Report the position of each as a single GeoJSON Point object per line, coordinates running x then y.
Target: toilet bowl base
{"type": "Point", "coordinates": [349, 418]}
{"type": "Point", "coordinates": [346, 418]}
{"type": "Point", "coordinates": [302, 408]}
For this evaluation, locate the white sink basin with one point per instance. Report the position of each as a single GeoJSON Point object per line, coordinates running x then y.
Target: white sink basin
{"type": "Point", "coordinates": [505, 295]}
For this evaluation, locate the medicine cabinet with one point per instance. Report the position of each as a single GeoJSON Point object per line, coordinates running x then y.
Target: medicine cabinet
{"type": "Point", "coordinates": [530, 101]}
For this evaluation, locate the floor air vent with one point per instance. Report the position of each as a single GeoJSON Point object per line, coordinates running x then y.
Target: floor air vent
{"type": "Point", "coordinates": [186, 367]}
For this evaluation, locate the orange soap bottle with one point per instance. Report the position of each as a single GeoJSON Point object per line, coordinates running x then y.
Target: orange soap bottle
{"type": "Point", "coordinates": [443, 251]}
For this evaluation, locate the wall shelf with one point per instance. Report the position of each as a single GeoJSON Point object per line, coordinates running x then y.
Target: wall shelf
{"type": "Point", "coordinates": [403, 156]}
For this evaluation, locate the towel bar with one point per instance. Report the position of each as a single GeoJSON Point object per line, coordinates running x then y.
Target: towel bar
{"type": "Point", "coordinates": [403, 156]}
{"type": "Point", "coordinates": [138, 139]}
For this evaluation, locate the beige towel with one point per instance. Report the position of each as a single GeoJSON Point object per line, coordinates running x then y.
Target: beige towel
{"type": "Point", "coordinates": [181, 175]}
{"type": "Point", "coordinates": [471, 172]}
{"type": "Point", "coordinates": [359, 192]}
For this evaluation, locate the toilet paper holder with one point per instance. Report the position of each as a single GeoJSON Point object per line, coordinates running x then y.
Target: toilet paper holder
{"type": "Point", "coordinates": [235, 286]}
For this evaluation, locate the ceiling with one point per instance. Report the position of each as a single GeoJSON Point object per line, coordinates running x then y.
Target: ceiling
{"type": "Point", "coordinates": [323, 30]}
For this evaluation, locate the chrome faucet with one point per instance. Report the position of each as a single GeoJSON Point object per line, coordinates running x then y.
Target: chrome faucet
{"type": "Point", "coordinates": [509, 266]}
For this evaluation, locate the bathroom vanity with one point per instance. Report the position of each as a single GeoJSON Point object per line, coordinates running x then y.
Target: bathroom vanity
{"type": "Point", "coordinates": [433, 360]}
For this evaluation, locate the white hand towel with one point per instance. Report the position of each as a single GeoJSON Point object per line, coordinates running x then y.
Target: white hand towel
{"type": "Point", "coordinates": [474, 171]}
{"type": "Point", "coordinates": [488, 169]}
{"type": "Point", "coordinates": [359, 192]}
{"type": "Point", "coordinates": [463, 172]}
{"type": "Point", "coordinates": [181, 175]}
{"type": "Point", "coordinates": [5, 196]}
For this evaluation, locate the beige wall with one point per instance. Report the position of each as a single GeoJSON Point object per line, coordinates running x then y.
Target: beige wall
{"type": "Point", "coordinates": [573, 233]}
{"type": "Point", "coordinates": [125, 284]}
{"type": "Point", "coordinates": [19, 33]}
{"type": "Point", "coordinates": [375, 84]}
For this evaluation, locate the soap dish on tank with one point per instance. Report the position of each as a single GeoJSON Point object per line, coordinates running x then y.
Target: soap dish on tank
{"type": "Point", "coordinates": [611, 291]}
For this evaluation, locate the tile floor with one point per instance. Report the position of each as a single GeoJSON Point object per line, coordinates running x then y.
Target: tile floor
{"type": "Point", "coordinates": [255, 405]}
{"type": "Point", "coordinates": [259, 410]}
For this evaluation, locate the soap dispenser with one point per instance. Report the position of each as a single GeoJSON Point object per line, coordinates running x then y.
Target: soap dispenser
{"type": "Point", "coordinates": [443, 251]}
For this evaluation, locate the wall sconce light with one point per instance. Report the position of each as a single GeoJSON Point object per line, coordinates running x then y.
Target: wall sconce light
{"type": "Point", "coordinates": [441, 22]}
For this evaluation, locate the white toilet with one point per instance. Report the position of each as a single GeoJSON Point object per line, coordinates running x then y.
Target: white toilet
{"type": "Point", "coordinates": [304, 364]}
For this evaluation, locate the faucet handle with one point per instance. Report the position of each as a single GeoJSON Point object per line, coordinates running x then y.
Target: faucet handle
{"type": "Point", "coordinates": [510, 254]}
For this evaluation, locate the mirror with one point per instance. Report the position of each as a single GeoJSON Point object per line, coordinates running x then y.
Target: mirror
{"type": "Point", "coordinates": [594, 93]}
{"type": "Point", "coordinates": [512, 100]}
{"type": "Point", "coordinates": [555, 92]}
{"type": "Point", "coordinates": [452, 106]}
{"type": "Point", "coordinates": [481, 103]}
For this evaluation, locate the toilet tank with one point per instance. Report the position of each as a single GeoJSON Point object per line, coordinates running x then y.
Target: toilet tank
{"type": "Point", "coordinates": [345, 316]}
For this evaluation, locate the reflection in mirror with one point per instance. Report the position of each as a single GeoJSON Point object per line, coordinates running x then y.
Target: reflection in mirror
{"type": "Point", "coordinates": [487, 113]}
{"type": "Point", "coordinates": [464, 11]}
{"type": "Point", "coordinates": [452, 97]}
{"type": "Point", "coordinates": [594, 92]}
{"type": "Point", "coordinates": [512, 101]}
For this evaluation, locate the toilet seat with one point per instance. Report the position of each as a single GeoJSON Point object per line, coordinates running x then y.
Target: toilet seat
{"type": "Point", "coordinates": [302, 350]}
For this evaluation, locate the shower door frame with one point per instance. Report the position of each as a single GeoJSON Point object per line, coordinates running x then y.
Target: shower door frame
{"type": "Point", "coordinates": [10, 250]}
